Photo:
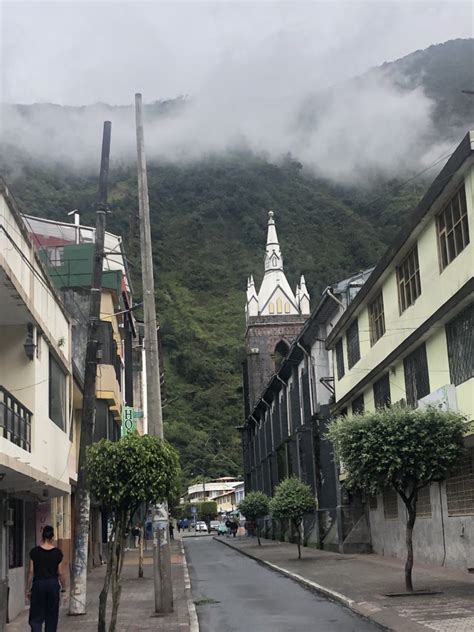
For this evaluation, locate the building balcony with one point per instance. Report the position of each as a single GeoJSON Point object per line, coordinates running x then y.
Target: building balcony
{"type": "Point", "coordinates": [15, 420]}
{"type": "Point", "coordinates": [108, 388]}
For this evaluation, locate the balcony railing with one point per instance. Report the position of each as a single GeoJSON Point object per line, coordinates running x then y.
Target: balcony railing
{"type": "Point", "coordinates": [15, 420]}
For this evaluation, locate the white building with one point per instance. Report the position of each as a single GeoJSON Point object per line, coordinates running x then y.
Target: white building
{"type": "Point", "coordinates": [36, 460]}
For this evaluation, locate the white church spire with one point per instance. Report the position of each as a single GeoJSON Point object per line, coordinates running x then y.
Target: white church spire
{"type": "Point", "coordinates": [275, 296]}
{"type": "Point", "coordinates": [273, 258]}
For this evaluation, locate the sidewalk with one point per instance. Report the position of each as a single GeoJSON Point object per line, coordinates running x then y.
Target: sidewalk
{"type": "Point", "coordinates": [136, 611]}
{"type": "Point", "coordinates": [362, 582]}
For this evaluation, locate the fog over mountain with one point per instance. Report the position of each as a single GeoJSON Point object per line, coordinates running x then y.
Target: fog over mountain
{"type": "Point", "coordinates": [266, 77]}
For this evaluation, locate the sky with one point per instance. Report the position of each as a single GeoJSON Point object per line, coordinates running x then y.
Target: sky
{"type": "Point", "coordinates": [248, 69]}
{"type": "Point", "coordinates": [88, 52]}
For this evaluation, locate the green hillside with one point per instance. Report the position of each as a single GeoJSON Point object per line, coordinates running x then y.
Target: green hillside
{"type": "Point", "coordinates": [209, 229]}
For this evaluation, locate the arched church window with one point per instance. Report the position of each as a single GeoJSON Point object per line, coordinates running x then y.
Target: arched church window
{"type": "Point", "coordinates": [287, 308]}
{"type": "Point", "coordinates": [274, 262]}
{"type": "Point", "coordinates": [279, 354]}
{"type": "Point", "coordinates": [271, 308]}
{"type": "Point", "coordinates": [279, 306]}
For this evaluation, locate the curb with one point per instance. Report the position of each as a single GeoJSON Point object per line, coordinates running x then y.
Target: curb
{"type": "Point", "coordinates": [193, 618]}
{"type": "Point", "coordinates": [310, 585]}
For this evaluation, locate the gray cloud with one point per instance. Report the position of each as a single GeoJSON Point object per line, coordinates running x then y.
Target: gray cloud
{"type": "Point", "coordinates": [250, 68]}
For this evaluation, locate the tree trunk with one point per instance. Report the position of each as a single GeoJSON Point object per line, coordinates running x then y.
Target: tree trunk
{"type": "Point", "coordinates": [298, 538]}
{"type": "Point", "coordinates": [410, 504]}
{"type": "Point", "coordinates": [140, 554]}
{"type": "Point", "coordinates": [104, 593]}
{"type": "Point", "coordinates": [118, 564]}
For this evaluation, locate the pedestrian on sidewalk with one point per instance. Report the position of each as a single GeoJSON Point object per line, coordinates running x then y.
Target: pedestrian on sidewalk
{"type": "Point", "coordinates": [136, 535]}
{"type": "Point", "coordinates": [171, 530]}
{"type": "Point", "coordinates": [46, 580]}
{"type": "Point", "coordinates": [178, 526]}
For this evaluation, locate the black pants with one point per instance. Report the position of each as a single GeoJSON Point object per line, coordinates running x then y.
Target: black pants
{"type": "Point", "coordinates": [44, 607]}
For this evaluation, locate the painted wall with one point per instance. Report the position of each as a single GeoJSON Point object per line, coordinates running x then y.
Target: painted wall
{"type": "Point", "coordinates": [436, 289]}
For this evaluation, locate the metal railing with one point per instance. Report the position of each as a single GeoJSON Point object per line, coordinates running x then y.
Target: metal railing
{"type": "Point", "coordinates": [15, 420]}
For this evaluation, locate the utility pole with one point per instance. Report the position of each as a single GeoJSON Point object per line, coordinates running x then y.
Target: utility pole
{"type": "Point", "coordinates": [161, 545]}
{"type": "Point", "coordinates": [77, 603]}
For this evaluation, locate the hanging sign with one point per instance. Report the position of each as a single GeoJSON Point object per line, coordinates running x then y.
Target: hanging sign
{"type": "Point", "coordinates": [129, 425]}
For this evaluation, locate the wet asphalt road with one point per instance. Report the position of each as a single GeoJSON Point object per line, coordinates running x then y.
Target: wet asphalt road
{"type": "Point", "coordinates": [251, 598]}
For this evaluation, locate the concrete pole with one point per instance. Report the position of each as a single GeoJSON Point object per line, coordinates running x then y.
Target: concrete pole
{"type": "Point", "coordinates": [161, 545]}
{"type": "Point", "coordinates": [77, 604]}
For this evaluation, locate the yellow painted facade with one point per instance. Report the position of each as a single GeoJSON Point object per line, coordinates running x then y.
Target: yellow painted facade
{"type": "Point", "coordinates": [438, 290]}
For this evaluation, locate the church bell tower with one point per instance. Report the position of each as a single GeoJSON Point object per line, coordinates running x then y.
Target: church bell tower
{"type": "Point", "coordinates": [274, 317]}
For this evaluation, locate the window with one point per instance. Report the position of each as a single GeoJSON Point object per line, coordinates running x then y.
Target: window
{"type": "Point", "coordinates": [376, 319]}
{"type": "Point", "coordinates": [353, 349]}
{"type": "Point", "coordinates": [423, 503]}
{"type": "Point", "coordinates": [390, 504]}
{"type": "Point", "coordinates": [340, 360]}
{"type": "Point", "coordinates": [55, 256]}
{"type": "Point", "coordinates": [460, 339]}
{"type": "Point", "coordinates": [358, 405]}
{"type": "Point", "coordinates": [382, 392]}
{"type": "Point", "coordinates": [460, 487]}
{"type": "Point", "coordinates": [15, 533]}
{"type": "Point", "coordinates": [417, 381]}
{"type": "Point", "coordinates": [287, 308]}
{"type": "Point", "coordinates": [271, 308]}
{"type": "Point", "coordinates": [453, 229]}
{"type": "Point", "coordinates": [279, 306]}
{"type": "Point", "coordinates": [408, 277]}
{"type": "Point", "coordinates": [57, 394]}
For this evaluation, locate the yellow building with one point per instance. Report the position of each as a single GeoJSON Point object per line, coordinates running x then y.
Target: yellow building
{"type": "Point", "coordinates": [408, 337]}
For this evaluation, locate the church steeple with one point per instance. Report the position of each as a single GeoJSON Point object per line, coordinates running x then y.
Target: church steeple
{"type": "Point", "coordinates": [273, 258]}
{"type": "Point", "coordinates": [275, 296]}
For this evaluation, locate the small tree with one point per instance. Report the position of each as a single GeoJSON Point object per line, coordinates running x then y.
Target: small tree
{"type": "Point", "coordinates": [293, 499]}
{"type": "Point", "coordinates": [207, 511]}
{"type": "Point", "coordinates": [400, 448]}
{"type": "Point", "coordinates": [255, 506]}
{"type": "Point", "coordinates": [123, 475]}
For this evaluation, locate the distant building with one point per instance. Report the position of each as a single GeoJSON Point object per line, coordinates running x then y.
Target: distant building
{"type": "Point", "coordinates": [210, 490]}
{"type": "Point", "coordinates": [407, 339]}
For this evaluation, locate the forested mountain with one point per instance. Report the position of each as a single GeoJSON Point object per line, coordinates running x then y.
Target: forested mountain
{"type": "Point", "coordinates": [209, 225]}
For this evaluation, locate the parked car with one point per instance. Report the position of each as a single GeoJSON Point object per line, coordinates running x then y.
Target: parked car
{"type": "Point", "coordinates": [201, 526]}
{"type": "Point", "coordinates": [214, 526]}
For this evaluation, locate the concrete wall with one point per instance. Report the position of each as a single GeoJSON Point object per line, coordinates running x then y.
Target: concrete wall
{"type": "Point", "coordinates": [439, 540]}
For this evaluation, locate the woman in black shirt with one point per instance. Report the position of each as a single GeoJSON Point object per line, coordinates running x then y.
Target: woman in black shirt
{"type": "Point", "coordinates": [45, 579]}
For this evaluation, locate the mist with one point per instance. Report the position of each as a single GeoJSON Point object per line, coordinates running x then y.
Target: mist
{"type": "Point", "coordinates": [265, 77]}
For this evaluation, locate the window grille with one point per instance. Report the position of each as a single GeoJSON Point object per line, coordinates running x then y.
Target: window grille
{"type": "Point", "coordinates": [453, 229]}
{"type": "Point", "coordinates": [376, 319]}
{"type": "Point", "coordinates": [423, 503]}
{"type": "Point", "coordinates": [358, 405]}
{"type": "Point", "coordinates": [55, 256]}
{"type": "Point", "coordinates": [417, 381]}
{"type": "Point", "coordinates": [340, 360]}
{"type": "Point", "coordinates": [461, 346]}
{"type": "Point", "coordinates": [353, 348]}
{"type": "Point", "coordinates": [382, 397]}
{"type": "Point", "coordinates": [390, 504]}
{"type": "Point", "coordinates": [460, 487]}
{"type": "Point", "coordinates": [408, 277]}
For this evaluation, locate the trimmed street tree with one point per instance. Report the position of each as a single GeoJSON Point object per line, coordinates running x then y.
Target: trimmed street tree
{"type": "Point", "coordinates": [400, 448]}
{"type": "Point", "coordinates": [123, 475]}
{"type": "Point", "coordinates": [293, 499]}
{"type": "Point", "coordinates": [255, 506]}
{"type": "Point", "coordinates": [207, 511]}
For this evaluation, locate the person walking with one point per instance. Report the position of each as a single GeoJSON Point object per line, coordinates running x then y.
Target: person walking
{"type": "Point", "coordinates": [178, 526]}
{"type": "Point", "coordinates": [46, 579]}
{"type": "Point", "coordinates": [136, 535]}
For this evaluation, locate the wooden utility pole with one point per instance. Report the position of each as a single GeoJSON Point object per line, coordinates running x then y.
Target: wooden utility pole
{"type": "Point", "coordinates": [77, 604]}
{"type": "Point", "coordinates": [161, 545]}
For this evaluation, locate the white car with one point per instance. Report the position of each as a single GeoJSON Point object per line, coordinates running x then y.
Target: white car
{"type": "Point", "coordinates": [201, 526]}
